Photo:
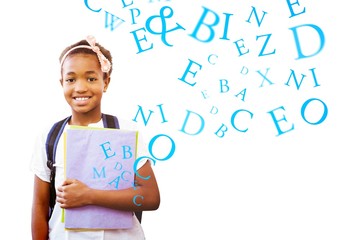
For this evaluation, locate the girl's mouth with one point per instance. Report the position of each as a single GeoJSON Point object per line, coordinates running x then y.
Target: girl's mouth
{"type": "Point", "coordinates": [81, 98]}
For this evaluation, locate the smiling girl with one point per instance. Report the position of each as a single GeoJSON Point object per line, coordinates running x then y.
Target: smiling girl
{"type": "Point", "coordinates": [86, 67]}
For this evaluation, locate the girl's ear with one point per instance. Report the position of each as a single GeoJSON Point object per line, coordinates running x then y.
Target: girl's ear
{"type": "Point", "coordinates": [106, 83]}
{"type": "Point", "coordinates": [61, 81]}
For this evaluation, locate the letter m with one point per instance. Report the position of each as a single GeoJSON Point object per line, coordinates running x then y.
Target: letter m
{"type": "Point", "coordinates": [100, 174]}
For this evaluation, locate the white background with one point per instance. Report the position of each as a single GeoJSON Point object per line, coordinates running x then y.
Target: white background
{"type": "Point", "coordinates": [303, 184]}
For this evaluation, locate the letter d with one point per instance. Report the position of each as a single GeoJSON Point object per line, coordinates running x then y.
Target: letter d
{"type": "Point", "coordinates": [202, 122]}
{"type": "Point", "coordinates": [297, 42]}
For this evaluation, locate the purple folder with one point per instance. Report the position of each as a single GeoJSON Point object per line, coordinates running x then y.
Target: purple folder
{"type": "Point", "coordinates": [102, 159]}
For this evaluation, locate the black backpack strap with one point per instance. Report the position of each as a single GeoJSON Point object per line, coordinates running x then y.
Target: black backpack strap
{"type": "Point", "coordinates": [50, 146]}
{"type": "Point", "coordinates": [138, 215]}
{"type": "Point", "coordinates": [110, 121]}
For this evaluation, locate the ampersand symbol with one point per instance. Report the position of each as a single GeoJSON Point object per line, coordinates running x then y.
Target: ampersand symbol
{"type": "Point", "coordinates": [164, 29]}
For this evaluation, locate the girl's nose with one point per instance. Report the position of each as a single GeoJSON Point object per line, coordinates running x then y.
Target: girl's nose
{"type": "Point", "coordinates": [81, 85]}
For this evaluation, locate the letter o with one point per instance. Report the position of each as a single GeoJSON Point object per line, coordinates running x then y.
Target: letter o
{"type": "Point", "coordinates": [172, 150]}
{"type": "Point", "coordinates": [304, 106]}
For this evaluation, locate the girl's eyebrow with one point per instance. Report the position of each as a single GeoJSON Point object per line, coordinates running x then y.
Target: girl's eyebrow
{"type": "Point", "coordinates": [70, 73]}
{"type": "Point", "coordinates": [90, 72]}
{"type": "Point", "coordinates": [87, 72]}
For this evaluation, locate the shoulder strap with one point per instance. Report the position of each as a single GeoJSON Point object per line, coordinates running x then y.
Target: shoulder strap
{"type": "Point", "coordinates": [50, 146]}
{"type": "Point", "coordinates": [110, 121]}
{"type": "Point", "coordinates": [52, 140]}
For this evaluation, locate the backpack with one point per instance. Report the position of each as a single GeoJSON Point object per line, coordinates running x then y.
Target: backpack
{"type": "Point", "coordinates": [52, 140]}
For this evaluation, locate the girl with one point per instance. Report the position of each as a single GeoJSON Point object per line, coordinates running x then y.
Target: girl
{"type": "Point", "coordinates": [86, 67]}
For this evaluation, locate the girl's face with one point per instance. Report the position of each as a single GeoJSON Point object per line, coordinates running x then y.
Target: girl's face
{"type": "Point", "coordinates": [83, 83]}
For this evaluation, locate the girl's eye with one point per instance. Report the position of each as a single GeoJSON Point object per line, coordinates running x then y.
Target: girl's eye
{"type": "Point", "coordinates": [91, 79]}
{"type": "Point", "coordinates": [70, 80]}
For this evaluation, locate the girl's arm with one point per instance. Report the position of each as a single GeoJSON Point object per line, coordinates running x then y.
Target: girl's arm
{"type": "Point", "coordinates": [40, 210]}
{"type": "Point", "coordinates": [145, 196]}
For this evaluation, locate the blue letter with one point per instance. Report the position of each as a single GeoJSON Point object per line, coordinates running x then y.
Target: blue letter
{"type": "Point", "coordinates": [212, 55]}
{"type": "Point", "coordinates": [293, 14]}
{"type": "Point", "coordinates": [122, 175]}
{"type": "Point", "coordinates": [118, 164]}
{"type": "Point", "coordinates": [235, 114]}
{"type": "Point", "coordinates": [256, 16]}
{"type": "Point", "coordinates": [188, 71]}
{"type": "Point", "coordinates": [323, 117]}
{"type": "Point", "coordinates": [106, 150]}
{"type": "Point", "coordinates": [186, 120]}
{"type": "Point", "coordinates": [87, 5]}
{"type": "Point", "coordinates": [142, 115]}
{"type": "Point", "coordinates": [295, 80]}
{"type": "Point", "coordinates": [134, 200]}
{"type": "Point", "coordinates": [171, 153]}
{"type": "Point", "coordinates": [242, 46]}
{"type": "Point", "coordinates": [126, 5]}
{"type": "Point", "coordinates": [224, 85]}
{"type": "Point", "coordinates": [223, 128]}
{"type": "Point", "coordinates": [116, 182]}
{"type": "Point", "coordinates": [226, 26]}
{"type": "Point", "coordinates": [133, 16]}
{"type": "Point", "coordinates": [162, 113]}
{"type": "Point", "coordinates": [276, 121]}
{"type": "Point", "coordinates": [209, 26]}
{"type": "Point", "coordinates": [297, 42]}
{"type": "Point", "coordinates": [137, 40]}
{"type": "Point", "coordinates": [242, 93]}
{"type": "Point", "coordinates": [264, 77]}
{"type": "Point", "coordinates": [126, 149]}
{"type": "Point", "coordinates": [114, 19]}
{"type": "Point", "coordinates": [97, 174]}
{"type": "Point", "coordinates": [137, 162]}
{"type": "Point", "coordinates": [265, 43]}
{"type": "Point", "coordinates": [302, 78]}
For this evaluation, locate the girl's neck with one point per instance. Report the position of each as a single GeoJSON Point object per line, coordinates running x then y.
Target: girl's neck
{"type": "Point", "coordinates": [84, 119]}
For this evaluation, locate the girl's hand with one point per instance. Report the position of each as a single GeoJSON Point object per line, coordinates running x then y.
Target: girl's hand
{"type": "Point", "coordinates": [72, 193]}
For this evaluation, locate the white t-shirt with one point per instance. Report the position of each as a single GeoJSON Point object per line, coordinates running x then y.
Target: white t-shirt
{"type": "Point", "coordinates": [57, 230]}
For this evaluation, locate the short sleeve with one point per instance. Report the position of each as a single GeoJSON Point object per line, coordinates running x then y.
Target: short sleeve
{"type": "Point", "coordinates": [38, 160]}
